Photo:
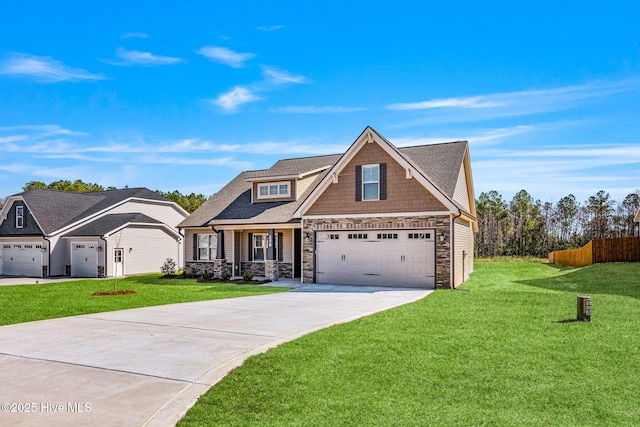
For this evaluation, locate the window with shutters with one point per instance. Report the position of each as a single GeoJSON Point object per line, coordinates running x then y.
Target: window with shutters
{"type": "Point", "coordinates": [259, 246]}
{"type": "Point", "coordinates": [207, 246]}
{"type": "Point", "coordinates": [371, 182]}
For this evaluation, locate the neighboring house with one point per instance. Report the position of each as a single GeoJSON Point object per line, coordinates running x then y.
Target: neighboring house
{"type": "Point", "coordinates": [637, 217]}
{"type": "Point", "coordinates": [98, 234]}
{"type": "Point", "coordinates": [375, 215]}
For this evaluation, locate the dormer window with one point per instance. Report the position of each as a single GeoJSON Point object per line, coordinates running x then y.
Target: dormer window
{"type": "Point", "coordinates": [273, 190]}
{"type": "Point", "coordinates": [19, 216]}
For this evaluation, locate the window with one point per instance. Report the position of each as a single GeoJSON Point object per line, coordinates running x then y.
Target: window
{"type": "Point", "coordinates": [118, 255]}
{"type": "Point", "coordinates": [274, 190]}
{"type": "Point", "coordinates": [207, 246]}
{"type": "Point", "coordinates": [19, 216]}
{"type": "Point", "coordinates": [259, 246]}
{"type": "Point", "coordinates": [387, 236]}
{"type": "Point", "coordinates": [370, 182]}
{"type": "Point", "coordinates": [357, 236]}
{"type": "Point", "coordinates": [419, 235]}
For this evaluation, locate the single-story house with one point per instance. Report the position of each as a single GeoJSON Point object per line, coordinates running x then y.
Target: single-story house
{"type": "Point", "coordinates": [374, 215]}
{"type": "Point", "coordinates": [96, 234]}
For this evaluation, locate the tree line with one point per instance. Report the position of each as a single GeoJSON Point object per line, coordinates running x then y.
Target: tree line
{"type": "Point", "coordinates": [189, 202]}
{"type": "Point", "coordinates": [527, 227]}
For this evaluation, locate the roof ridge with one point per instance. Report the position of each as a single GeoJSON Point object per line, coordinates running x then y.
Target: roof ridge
{"type": "Point", "coordinates": [435, 143]}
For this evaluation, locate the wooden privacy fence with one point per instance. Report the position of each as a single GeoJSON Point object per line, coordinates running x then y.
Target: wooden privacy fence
{"type": "Point", "coordinates": [622, 249]}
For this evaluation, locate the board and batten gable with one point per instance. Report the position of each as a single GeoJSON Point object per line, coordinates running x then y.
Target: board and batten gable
{"type": "Point", "coordinates": [403, 194]}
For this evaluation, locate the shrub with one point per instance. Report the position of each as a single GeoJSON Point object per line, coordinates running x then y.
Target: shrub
{"type": "Point", "coordinates": [225, 275]}
{"type": "Point", "coordinates": [169, 267]}
{"type": "Point", "coordinates": [247, 276]}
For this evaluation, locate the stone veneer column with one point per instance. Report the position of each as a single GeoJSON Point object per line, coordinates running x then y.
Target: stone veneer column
{"type": "Point", "coordinates": [271, 270]}
{"type": "Point", "coordinates": [218, 267]}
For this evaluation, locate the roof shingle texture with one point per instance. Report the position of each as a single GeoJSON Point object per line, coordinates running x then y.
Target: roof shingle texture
{"type": "Point", "coordinates": [108, 223]}
{"type": "Point", "coordinates": [440, 163]}
{"type": "Point", "coordinates": [57, 209]}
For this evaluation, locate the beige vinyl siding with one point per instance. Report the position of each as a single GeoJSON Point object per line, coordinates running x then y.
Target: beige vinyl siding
{"type": "Point", "coordinates": [463, 241]}
{"type": "Point", "coordinates": [150, 247]}
{"type": "Point", "coordinates": [461, 192]}
{"type": "Point", "coordinates": [303, 184]}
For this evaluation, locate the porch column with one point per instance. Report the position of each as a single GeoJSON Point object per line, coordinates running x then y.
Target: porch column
{"type": "Point", "coordinates": [271, 263]}
{"type": "Point", "coordinates": [220, 245]}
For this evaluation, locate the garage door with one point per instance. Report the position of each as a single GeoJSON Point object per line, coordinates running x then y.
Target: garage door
{"type": "Point", "coordinates": [403, 258]}
{"type": "Point", "coordinates": [22, 259]}
{"type": "Point", "coordinates": [84, 260]}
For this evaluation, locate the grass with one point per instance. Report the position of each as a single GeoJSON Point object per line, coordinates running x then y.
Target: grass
{"type": "Point", "coordinates": [498, 355]}
{"type": "Point", "coordinates": [25, 303]}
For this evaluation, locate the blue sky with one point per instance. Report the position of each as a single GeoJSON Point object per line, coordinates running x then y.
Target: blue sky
{"type": "Point", "coordinates": [185, 95]}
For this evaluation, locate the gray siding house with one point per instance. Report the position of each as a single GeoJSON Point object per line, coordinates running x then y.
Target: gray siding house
{"type": "Point", "coordinates": [374, 215]}
{"type": "Point", "coordinates": [97, 234]}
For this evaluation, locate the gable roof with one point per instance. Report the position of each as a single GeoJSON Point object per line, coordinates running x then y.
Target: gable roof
{"type": "Point", "coordinates": [55, 210]}
{"type": "Point", "coordinates": [437, 164]}
{"type": "Point", "coordinates": [110, 223]}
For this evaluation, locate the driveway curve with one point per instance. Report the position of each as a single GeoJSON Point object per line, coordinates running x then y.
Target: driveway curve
{"type": "Point", "coordinates": [148, 366]}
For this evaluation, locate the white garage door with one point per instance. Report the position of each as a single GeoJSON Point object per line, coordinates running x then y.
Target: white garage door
{"type": "Point", "coordinates": [84, 260]}
{"type": "Point", "coordinates": [403, 258]}
{"type": "Point", "coordinates": [22, 259]}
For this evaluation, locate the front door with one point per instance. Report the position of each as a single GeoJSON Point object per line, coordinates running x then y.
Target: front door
{"type": "Point", "coordinates": [118, 262]}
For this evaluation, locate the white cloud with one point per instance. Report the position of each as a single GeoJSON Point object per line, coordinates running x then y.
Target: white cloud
{"type": "Point", "coordinates": [278, 77]}
{"type": "Point", "coordinates": [225, 56]}
{"type": "Point", "coordinates": [135, 57]}
{"type": "Point", "coordinates": [134, 35]}
{"type": "Point", "coordinates": [312, 109]}
{"type": "Point", "coordinates": [44, 69]}
{"type": "Point", "coordinates": [472, 102]}
{"type": "Point", "coordinates": [270, 28]}
{"type": "Point", "coordinates": [230, 101]}
{"type": "Point", "coordinates": [512, 104]}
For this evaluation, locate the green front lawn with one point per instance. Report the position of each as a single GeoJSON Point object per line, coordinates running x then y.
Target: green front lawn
{"type": "Point", "coordinates": [505, 353]}
{"type": "Point", "coordinates": [25, 303]}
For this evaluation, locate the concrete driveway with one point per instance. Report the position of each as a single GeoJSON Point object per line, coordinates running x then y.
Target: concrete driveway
{"type": "Point", "coordinates": [148, 366]}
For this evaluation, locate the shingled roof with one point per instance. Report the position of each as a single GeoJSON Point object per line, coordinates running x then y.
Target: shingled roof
{"type": "Point", "coordinates": [439, 163]}
{"type": "Point", "coordinates": [109, 223]}
{"type": "Point", "coordinates": [55, 210]}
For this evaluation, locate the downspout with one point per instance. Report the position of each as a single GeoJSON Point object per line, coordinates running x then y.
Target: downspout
{"type": "Point", "coordinates": [48, 255]}
{"type": "Point", "coordinates": [104, 258]}
{"type": "Point", "coordinates": [453, 252]}
{"type": "Point", "coordinates": [182, 237]}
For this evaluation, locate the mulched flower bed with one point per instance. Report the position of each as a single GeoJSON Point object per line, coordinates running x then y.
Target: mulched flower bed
{"type": "Point", "coordinates": [123, 292]}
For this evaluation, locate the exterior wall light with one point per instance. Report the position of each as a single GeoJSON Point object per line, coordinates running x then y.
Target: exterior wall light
{"type": "Point", "coordinates": [443, 236]}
